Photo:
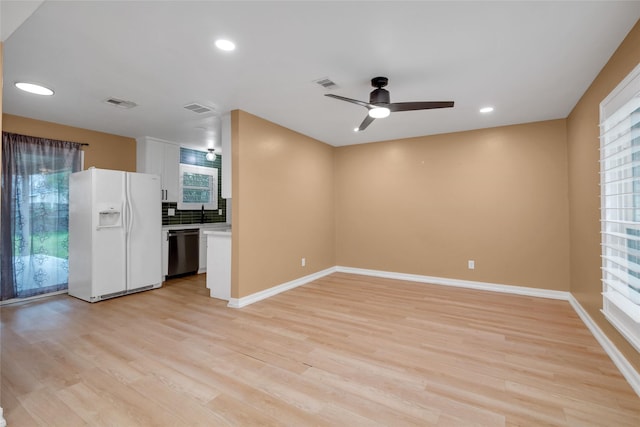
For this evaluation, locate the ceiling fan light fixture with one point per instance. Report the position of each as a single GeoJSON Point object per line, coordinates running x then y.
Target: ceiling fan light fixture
{"type": "Point", "coordinates": [211, 156]}
{"type": "Point", "coordinates": [226, 45]}
{"type": "Point", "coordinates": [379, 112]}
{"type": "Point", "coordinates": [34, 88]}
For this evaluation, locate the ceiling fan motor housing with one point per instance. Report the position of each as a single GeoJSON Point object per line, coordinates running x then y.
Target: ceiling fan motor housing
{"type": "Point", "coordinates": [379, 96]}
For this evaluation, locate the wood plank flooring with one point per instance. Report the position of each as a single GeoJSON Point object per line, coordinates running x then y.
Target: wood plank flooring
{"type": "Point", "coordinates": [345, 350]}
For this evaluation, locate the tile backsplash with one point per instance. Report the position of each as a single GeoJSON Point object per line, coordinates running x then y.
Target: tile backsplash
{"type": "Point", "coordinates": [193, 216]}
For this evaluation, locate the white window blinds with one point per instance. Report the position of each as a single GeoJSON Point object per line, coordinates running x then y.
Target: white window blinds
{"type": "Point", "coordinates": [620, 210]}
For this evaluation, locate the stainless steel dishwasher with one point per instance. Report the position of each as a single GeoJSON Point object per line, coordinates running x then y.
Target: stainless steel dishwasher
{"type": "Point", "coordinates": [184, 248]}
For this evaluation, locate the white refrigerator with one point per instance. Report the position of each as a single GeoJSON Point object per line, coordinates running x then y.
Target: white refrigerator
{"type": "Point", "coordinates": [115, 226]}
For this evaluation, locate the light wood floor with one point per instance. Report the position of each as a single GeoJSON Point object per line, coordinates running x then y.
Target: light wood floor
{"type": "Point", "coordinates": [345, 350]}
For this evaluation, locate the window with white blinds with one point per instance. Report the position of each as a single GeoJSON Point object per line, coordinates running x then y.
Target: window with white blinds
{"type": "Point", "coordinates": [620, 211]}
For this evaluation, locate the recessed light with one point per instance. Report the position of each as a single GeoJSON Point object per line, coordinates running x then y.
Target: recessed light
{"type": "Point", "coordinates": [34, 88]}
{"type": "Point", "coordinates": [225, 45]}
{"type": "Point", "coordinates": [486, 109]}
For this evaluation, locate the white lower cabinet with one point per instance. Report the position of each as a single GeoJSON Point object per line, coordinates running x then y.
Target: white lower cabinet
{"type": "Point", "coordinates": [219, 264]}
{"type": "Point", "coordinates": [202, 267]}
{"type": "Point", "coordinates": [165, 253]}
{"type": "Point", "coordinates": [203, 251]}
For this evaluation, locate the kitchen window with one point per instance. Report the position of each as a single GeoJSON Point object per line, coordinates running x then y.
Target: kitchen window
{"type": "Point", "coordinates": [620, 206]}
{"type": "Point", "coordinates": [198, 188]}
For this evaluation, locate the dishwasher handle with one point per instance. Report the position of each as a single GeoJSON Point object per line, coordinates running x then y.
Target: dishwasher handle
{"type": "Point", "coordinates": [175, 233]}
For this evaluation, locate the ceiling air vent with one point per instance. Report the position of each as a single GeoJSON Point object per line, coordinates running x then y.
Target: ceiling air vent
{"type": "Point", "coordinates": [326, 83]}
{"type": "Point", "coordinates": [120, 103]}
{"type": "Point", "coordinates": [198, 108]}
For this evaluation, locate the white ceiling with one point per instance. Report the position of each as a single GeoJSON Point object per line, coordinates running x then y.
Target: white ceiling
{"type": "Point", "coordinates": [530, 60]}
{"type": "Point", "coordinates": [13, 14]}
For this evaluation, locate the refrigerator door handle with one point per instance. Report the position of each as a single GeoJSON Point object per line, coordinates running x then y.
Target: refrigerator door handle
{"type": "Point", "coordinates": [125, 212]}
{"type": "Point", "coordinates": [129, 208]}
{"type": "Point", "coordinates": [125, 215]}
{"type": "Point", "coordinates": [128, 227]}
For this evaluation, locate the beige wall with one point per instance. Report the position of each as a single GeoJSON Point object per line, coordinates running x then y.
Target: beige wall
{"type": "Point", "coordinates": [283, 205]}
{"type": "Point", "coordinates": [105, 151]}
{"type": "Point", "coordinates": [427, 205]}
{"type": "Point", "coordinates": [584, 191]}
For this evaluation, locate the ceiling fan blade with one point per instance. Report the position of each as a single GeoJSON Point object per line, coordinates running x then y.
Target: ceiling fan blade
{"type": "Point", "coordinates": [410, 106]}
{"type": "Point", "coordinates": [366, 122]}
{"type": "Point", "coordinates": [353, 101]}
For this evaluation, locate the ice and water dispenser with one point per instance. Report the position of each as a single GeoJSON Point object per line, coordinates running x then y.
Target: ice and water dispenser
{"type": "Point", "coordinates": [109, 217]}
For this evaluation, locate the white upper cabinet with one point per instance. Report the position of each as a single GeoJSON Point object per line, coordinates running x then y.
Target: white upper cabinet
{"type": "Point", "coordinates": [225, 134]}
{"type": "Point", "coordinates": [171, 171]}
{"type": "Point", "coordinates": [161, 158]}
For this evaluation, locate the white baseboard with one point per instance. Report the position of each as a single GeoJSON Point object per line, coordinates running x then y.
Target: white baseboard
{"type": "Point", "coordinates": [258, 296]}
{"type": "Point", "coordinates": [483, 286]}
{"type": "Point", "coordinates": [623, 365]}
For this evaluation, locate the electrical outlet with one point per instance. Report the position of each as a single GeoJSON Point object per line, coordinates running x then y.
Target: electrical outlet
{"type": "Point", "coordinates": [471, 264]}
{"type": "Point", "coordinates": [303, 262]}
{"type": "Point", "coordinates": [171, 212]}
{"type": "Point", "coordinates": [219, 211]}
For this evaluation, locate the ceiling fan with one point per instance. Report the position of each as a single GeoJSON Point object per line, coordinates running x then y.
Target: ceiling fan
{"type": "Point", "coordinates": [379, 106]}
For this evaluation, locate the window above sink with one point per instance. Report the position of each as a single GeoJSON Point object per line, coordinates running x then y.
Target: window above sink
{"type": "Point", "coordinates": [198, 187]}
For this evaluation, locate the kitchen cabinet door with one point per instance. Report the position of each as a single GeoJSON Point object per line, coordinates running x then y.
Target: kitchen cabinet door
{"type": "Point", "coordinates": [160, 158]}
{"type": "Point", "coordinates": [149, 156]}
{"type": "Point", "coordinates": [165, 254]}
{"type": "Point", "coordinates": [204, 247]}
{"type": "Point", "coordinates": [203, 251]}
{"type": "Point", "coordinates": [170, 171]}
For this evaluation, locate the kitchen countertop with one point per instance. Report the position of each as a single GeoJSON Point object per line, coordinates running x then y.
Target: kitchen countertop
{"type": "Point", "coordinates": [223, 232]}
{"type": "Point", "coordinates": [207, 226]}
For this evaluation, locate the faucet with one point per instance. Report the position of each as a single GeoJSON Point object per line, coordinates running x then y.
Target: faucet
{"type": "Point", "coordinates": [202, 215]}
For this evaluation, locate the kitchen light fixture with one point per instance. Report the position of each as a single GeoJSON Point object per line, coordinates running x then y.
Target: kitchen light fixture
{"type": "Point", "coordinates": [486, 109]}
{"type": "Point", "coordinates": [34, 88]}
{"type": "Point", "coordinates": [225, 45]}
{"type": "Point", "coordinates": [379, 112]}
{"type": "Point", "coordinates": [211, 156]}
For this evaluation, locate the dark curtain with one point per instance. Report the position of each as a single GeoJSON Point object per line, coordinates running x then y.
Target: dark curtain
{"type": "Point", "coordinates": [34, 216]}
